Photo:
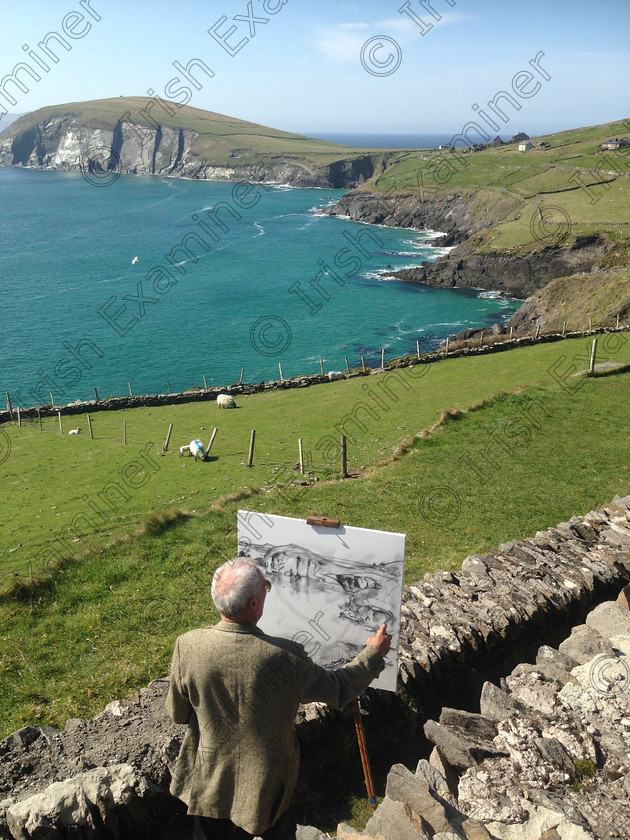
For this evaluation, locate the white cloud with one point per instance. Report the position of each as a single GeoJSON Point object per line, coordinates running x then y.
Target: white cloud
{"type": "Point", "coordinates": [342, 44]}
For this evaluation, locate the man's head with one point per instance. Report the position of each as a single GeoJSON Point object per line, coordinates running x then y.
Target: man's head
{"type": "Point", "coordinates": [238, 591]}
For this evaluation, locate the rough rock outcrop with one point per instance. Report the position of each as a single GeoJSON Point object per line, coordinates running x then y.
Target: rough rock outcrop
{"type": "Point", "coordinates": [517, 276]}
{"type": "Point", "coordinates": [550, 760]}
{"type": "Point", "coordinates": [449, 213]}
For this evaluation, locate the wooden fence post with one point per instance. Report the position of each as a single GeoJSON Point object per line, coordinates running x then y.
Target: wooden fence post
{"type": "Point", "coordinates": [19, 418]}
{"type": "Point", "coordinates": [39, 419]}
{"type": "Point", "coordinates": [446, 348]}
{"type": "Point", "coordinates": [250, 457]}
{"type": "Point", "coordinates": [52, 400]}
{"type": "Point", "coordinates": [301, 455]}
{"type": "Point", "coordinates": [125, 432]}
{"type": "Point", "coordinates": [321, 364]}
{"type": "Point", "coordinates": [617, 320]}
{"type": "Point", "coordinates": [537, 330]}
{"type": "Point", "coordinates": [593, 354]}
{"type": "Point", "coordinates": [347, 367]}
{"type": "Point", "coordinates": [511, 332]}
{"type": "Point", "coordinates": [590, 324]}
{"type": "Point", "coordinates": [481, 338]}
{"type": "Point", "coordinates": [89, 419]}
{"type": "Point", "coordinates": [60, 426]}
{"type": "Point", "coordinates": [9, 408]}
{"type": "Point", "coordinates": [168, 437]}
{"type": "Point", "coordinates": [214, 434]}
{"type": "Point", "coordinates": [170, 390]}
{"type": "Point", "coordinates": [383, 359]}
{"type": "Point", "coordinates": [564, 327]}
{"type": "Point", "coordinates": [418, 346]}
{"type": "Point", "coordinates": [96, 395]}
{"type": "Point", "coordinates": [205, 382]}
{"type": "Point", "coordinates": [130, 391]}
{"type": "Point", "coordinates": [240, 381]}
{"type": "Point", "coordinates": [344, 457]}
{"type": "Point", "coordinates": [280, 369]}
{"type": "Point", "coordinates": [363, 363]}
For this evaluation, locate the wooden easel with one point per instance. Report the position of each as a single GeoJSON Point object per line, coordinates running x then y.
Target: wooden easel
{"type": "Point", "coordinates": [326, 522]}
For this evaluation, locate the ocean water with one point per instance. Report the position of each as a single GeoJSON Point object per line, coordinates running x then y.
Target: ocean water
{"type": "Point", "coordinates": [226, 277]}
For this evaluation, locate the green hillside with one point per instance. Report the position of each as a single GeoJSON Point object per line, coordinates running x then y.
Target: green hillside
{"type": "Point", "coordinates": [495, 467]}
{"type": "Point", "coordinates": [222, 139]}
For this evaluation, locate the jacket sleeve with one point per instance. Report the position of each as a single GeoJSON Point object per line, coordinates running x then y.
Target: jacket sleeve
{"type": "Point", "coordinates": [338, 687]}
{"type": "Point", "coordinates": [178, 705]}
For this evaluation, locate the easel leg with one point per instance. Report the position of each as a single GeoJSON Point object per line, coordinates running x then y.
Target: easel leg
{"type": "Point", "coordinates": [365, 759]}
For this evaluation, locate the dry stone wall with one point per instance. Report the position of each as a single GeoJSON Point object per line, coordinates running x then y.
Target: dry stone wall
{"type": "Point", "coordinates": [506, 767]}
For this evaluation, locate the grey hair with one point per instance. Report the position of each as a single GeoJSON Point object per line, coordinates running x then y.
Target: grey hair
{"type": "Point", "coordinates": [233, 584]}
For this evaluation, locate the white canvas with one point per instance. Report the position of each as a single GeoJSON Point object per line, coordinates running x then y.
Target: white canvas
{"type": "Point", "coordinates": [332, 588]}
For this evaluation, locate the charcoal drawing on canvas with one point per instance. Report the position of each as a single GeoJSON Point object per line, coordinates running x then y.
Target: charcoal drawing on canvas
{"type": "Point", "coordinates": [331, 588]}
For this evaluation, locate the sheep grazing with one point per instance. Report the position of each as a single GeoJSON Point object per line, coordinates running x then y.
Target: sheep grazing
{"type": "Point", "coordinates": [76, 431]}
{"type": "Point", "coordinates": [196, 448]}
{"type": "Point", "coordinates": [183, 450]}
{"type": "Point", "coordinates": [225, 401]}
{"type": "Point", "coordinates": [335, 374]}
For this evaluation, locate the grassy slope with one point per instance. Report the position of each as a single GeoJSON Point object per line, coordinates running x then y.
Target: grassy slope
{"type": "Point", "coordinates": [118, 610]}
{"type": "Point", "coordinates": [516, 183]}
{"type": "Point", "coordinates": [50, 479]}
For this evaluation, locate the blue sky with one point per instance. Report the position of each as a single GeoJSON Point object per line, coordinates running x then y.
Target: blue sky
{"type": "Point", "coordinates": [301, 70]}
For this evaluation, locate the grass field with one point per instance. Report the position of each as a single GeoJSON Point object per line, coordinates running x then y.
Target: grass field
{"type": "Point", "coordinates": [103, 623]}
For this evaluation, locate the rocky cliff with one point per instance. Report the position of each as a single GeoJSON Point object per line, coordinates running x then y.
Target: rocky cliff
{"type": "Point", "coordinates": [517, 276]}
{"type": "Point", "coordinates": [66, 143]}
{"type": "Point", "coordinates": [458, 216]}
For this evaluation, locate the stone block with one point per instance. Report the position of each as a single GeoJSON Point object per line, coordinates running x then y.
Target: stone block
{"type": "Point", "coordinates": [610, 619]}
{"type": "Point", "coordinates": [624, 597]}
{"type": "Point", "coordinates": [429, 809]}
{"type": "Point", "coordinates": [393, 822]}
{"type": "Point", "coordinates": [496, 704]}
{"type": "Point", "coordinates": [584, 643]}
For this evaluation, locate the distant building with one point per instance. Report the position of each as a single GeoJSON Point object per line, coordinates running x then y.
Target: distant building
{"type": "Point", "coordinates": [616, 143]}
{"type": "Point", "coordinates": [444, 147]}
{"type": "Point", "coordinates": [525, 147]}
{"type": "Point", "coordinates": [497, 141]}
{"type": "Point", "coordinates": [520, 138]}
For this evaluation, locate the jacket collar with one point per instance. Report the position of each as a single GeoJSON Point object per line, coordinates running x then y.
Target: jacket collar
{"type": "Point", "coordinates": [229, 627]}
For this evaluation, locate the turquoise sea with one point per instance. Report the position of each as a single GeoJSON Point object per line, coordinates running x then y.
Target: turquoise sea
{"type": "Point", "coordinates": [226, 277]}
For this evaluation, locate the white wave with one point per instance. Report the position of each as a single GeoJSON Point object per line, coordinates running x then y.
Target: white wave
{"type": "Point", "coordinates": [489, 294]}
{"type": "Point", "coordinates": [260, 228]}
{"type": "Point", "coordinates": [111, 279]}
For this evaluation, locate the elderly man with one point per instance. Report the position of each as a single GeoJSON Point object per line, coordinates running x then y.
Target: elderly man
{"type": "Point", "coordinates": [239, 690]}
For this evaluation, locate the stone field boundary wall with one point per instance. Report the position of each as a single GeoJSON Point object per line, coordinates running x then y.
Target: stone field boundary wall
{"type": "Point", "coordinates": [301, 381]}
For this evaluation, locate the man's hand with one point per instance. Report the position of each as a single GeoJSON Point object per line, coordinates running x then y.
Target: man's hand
{"type": "Point", "coordinates": [381, 641]}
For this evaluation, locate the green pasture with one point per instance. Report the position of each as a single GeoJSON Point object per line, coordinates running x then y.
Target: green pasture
{"type": "Point", "coordinates": [62, 492]}
{"type": "Point", "coordinates": [103, 623]}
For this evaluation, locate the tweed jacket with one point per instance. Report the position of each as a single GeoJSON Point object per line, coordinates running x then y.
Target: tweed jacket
{"type": "Point", "coordinates": [239, 690]}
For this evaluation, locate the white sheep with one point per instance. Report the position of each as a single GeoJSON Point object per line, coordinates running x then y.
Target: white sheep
{"type": "Point", "coordinates": [76, 431]}
{"type": "Point", "coordinates": [183, 450]}
{"type": "Point", "coordinates": [196, 448]}
{"type": "Point", "coordinates": [335, 374]}
{"type": "Point", "coordinates": [225, 401]}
